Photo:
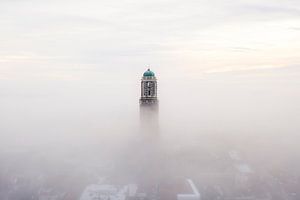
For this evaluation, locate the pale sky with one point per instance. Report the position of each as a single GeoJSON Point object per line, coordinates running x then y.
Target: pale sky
{"type": "Point", "coordinates": [61, 39]}
{"type": "Point", "coordinates": [70, 67]}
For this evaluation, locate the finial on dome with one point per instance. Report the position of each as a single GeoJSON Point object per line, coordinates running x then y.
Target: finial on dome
{"type": "Point", "coordinates": [148, 73]}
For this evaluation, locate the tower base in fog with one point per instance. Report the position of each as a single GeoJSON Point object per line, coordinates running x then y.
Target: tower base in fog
{"type": "Point", "coordinates": [149, 117]}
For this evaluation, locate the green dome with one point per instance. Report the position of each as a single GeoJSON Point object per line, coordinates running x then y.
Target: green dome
{"type": "Point", "coordinates": [149, 73]}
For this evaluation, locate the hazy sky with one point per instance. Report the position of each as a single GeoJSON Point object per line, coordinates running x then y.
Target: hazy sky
{"type": "Point", "coordinates": [228, 76]}
{"type": "Point", "coordinates": [205, 53]}
{"type": "Point", "coordinates": [71, 40]}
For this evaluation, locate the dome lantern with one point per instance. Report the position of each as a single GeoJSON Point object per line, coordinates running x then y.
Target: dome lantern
{"type": "Point", "coordinates": [148, 73]}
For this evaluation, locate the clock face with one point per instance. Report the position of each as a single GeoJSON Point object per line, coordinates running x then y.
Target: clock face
{"type": "Point", "coordinates": [149, 88]}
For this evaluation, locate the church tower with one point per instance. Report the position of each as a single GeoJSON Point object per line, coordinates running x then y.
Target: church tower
{"type": "Point", "coordinates": [149, 102]}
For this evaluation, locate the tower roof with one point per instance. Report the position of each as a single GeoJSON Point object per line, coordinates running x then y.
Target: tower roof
{"type": "Point", "coordinates": [148, 73]}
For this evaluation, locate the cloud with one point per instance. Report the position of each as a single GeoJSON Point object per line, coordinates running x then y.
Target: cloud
{"type": "Point", "coordinates": [266, 9]}
{"type": "Point", "coordinates": [113, 35]}
{"type": "Point", "coordinates": [292, 69]}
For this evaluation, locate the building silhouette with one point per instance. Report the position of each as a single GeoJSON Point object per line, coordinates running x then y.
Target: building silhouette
{"type": "Point", "coordinates": [149, 103]}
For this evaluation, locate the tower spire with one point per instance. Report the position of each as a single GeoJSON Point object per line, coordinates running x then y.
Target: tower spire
{"type": "Point", "coordinates": [148, 88]}
{"type": "Point", "coordinates": [149, 102]}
